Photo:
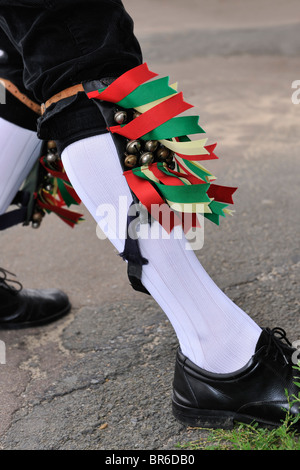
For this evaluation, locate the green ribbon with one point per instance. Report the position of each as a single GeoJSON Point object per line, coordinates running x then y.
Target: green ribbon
{"type": "Point", "coordinates": [201, 173]}
{"type": "Point", "coordinates": [198, 171]}
{"type": "Point", "coordinates": [217, 211]}
{"type": "Point", "coordinates": [162, 168]}
{"type": "Point", "coordinates": [186, 194]}
{"type": "Point", "coordinates": [175, 127]}
{"type": "Point", "coordinates": [146, 93]}
{"type": "Point", "coordinates": [68, 199]}
{"type": "Point", "coordinates": [217, 207]}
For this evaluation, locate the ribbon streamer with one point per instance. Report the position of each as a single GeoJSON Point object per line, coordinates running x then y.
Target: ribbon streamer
{"type": "Point", "coordinates": [153, 118]}
{"type": "Point", "coordinates": [124, 85]}
{"type": "Point", "coordinates": [186, 189]}
{"type": "Point", "coordinates": [62, 194]}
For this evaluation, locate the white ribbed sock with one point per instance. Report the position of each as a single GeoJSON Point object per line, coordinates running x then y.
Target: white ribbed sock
{"type": "Point", "coordinates": [19, 152]}
{"type": "Point", "coordinates": [212, 331]}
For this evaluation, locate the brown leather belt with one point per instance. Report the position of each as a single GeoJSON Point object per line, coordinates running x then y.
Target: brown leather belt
{"type": "Point", "coordinates": [40, 109]}
{"type": "Point", "coordinates": [71, 91]}
{"type": "Point", "coordinates": [20, 96]}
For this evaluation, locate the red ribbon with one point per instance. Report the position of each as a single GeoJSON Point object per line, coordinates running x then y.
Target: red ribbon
{"type": "Point", "coordinates": [150, 198]}
{"type": "Point", "coordinates": [187, 171]}
{"type": "Point", "coordinates": [56, 174]}
{"type": "Point", "coordinates": [153, 118]}
{"type": "Point", "coordinates": [165, 179]}
{"type": "Point", "coordinates": [191, 178]}
{"type": "Point", "coordinates": [70, 218]}
{"type": "Point", "coordinates": [153, 202]}
{"type": "Point", "coordinates": [125, 84]}
{"type": "Point", "coordinates": [221, 193]}
{"type": "Point", "coordinates": [210, 149]}
{"type": "Point", "coordinates": [143, 189]}
{"type": "Point", "coordinates": [190, 221]}
{"type": "Point", "coordinates": [72, 193]}
{"type": "Point", "coordinates": [196, 158]}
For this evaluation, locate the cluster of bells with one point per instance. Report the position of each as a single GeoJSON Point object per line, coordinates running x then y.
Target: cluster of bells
{"type": "Point", "coordinates": [52, 157]}
{"type": "Point", "coordinates": [139, 152]}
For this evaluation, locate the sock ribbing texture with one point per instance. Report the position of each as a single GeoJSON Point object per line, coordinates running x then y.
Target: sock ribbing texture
{"type": "Point", "coordinates": [212, 331]}
{"type": "Point", "coordinates": [19, 152]}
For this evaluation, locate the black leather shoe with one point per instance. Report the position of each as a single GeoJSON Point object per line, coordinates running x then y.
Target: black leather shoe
{"type": "Point", "coordinates": [27, 308]}
{"type": "Point", "coordinates": [255, 393]}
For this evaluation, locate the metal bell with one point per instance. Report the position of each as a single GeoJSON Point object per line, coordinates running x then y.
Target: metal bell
{"type": "Point", "coordinates": [130, 161]}
{"type": "Point", "coordinates": [146, 158]}
{"type": "Point", "coordinates": [52, 157]}
{"type": "Point", "coordinates": [170, 157]}
{"type": "Point", "coordinates": [151, 145]}
{"type": "Point", "coordinates": [136, 114]}
{"type": "Point", "coordinates": [133, 147]}
{"type": "Point", "coordinates": [120, 117]}
{"type": "Point", "coordinates": [51, 144]}
{"type": "Point", "coordinates": [162, 153]}
{"type": "Point", "coordinates": [37, 217]}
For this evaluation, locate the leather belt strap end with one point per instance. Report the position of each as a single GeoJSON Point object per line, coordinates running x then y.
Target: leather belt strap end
{"type": "Point", "coordinates": [20, 96]}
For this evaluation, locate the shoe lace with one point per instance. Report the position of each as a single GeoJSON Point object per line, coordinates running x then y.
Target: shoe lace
{"type": "Point", "coordinates": [276, 337]}
{"type": "Point", "coordinates": [4, 280]}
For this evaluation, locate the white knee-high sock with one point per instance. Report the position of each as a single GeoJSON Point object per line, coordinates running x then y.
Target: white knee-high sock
{"type": "Point", "coordinates": [212, 331]}
{"type": "Point", "coordinates": [19, 152]}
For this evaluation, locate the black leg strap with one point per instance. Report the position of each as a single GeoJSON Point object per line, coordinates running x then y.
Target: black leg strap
{"type": "Point", "coordinates": [131, 253]}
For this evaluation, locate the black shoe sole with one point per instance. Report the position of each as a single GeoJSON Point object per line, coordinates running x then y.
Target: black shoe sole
{"type": "Point", "coordinates": [203, 418]}
{"type": "Point", "coordinates": [214, 419]}
{"type": "Point", "coordinates": [33, 324]}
